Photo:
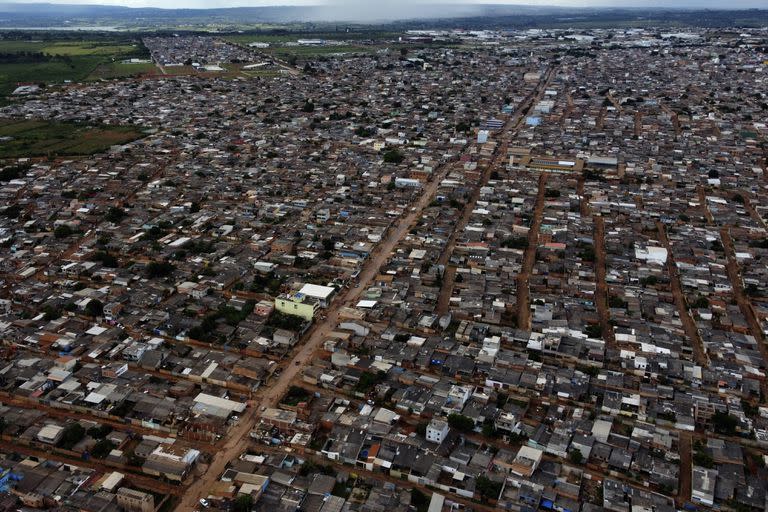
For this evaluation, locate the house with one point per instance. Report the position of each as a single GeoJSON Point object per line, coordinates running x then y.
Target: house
{"type": "Point", "coordinates": [457, 397]}
{"type": "Point", "coordinates": [283, 420]}
{"type": "Point", "coordinates": [703, 485]}
{"type": "Point", "coordinates": [50, 434]}
{"type": "Point", "coordinates": [263, 308]}
{"type": "Point", "coordinates": [437, 431]}
{"type": "Point", "coordinates": [284, 337]}
{"type": "Point", "coordinates": [321, 294]}
{"type": "Point", "coordinates": [526, 461]}
{"type": "Point", "coordinates": [297, 305]}
{"type": "Point", "coordinates": [132, 500]}
{"type": "Point", "coordinates": [170, 461]}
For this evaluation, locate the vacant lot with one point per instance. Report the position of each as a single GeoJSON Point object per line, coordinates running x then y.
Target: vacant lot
{"type": "Point", "coordinates": [372, 35]}
{"type": "Point", "coordinates": [90, 48]}
{"type": "Point", "coordinates": [22, 138]}
{"type": "Point", "coordinates": [121, 70]}
{"type": "Point", "coordinates": [52, 62]}
{"type": "Point", "coordinates": [316, 51]}
{"type": "Point", "coordinates": [52, 71]}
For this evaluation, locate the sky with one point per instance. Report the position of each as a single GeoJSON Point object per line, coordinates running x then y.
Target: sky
{"type": "Point", "coordinates": [390, 4]}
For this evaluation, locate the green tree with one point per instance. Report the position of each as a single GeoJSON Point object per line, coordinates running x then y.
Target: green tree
{"type": "Point", "coordinates": [106, 259]}
{"type": "Point", "coordinates": [393, 156]}
{"type": "Point", "coordinates": [516, 242]}
{"type": "Point", "coordinates": [62, 231]}
{"type": "Point", "coordinates": [463, 126]}
{"type": "Point", "coordinates": [724, 423]}
{"type": "Point", "coordinates": [419, 500]}
{"type": "Point", "coordinates": [51, 312]}
{"type": "Point", "coordinates": [99, 432]}
{"type": "Point", "coordinates": [617, 302]}
{"type": "Point", "coordinates": [102, 448]}
{"type": "Point", "coordinates": [115, 215]}
{"type": "Point", "coordinates": [489, 429]}
{"type": "Point", "coordinates": [461, 423]}
{"type": "Point", "coordinates": [593, 331]}
{"type": "Point", "coordinates": [13, 172]}
{"type": "Point", "coordinates": [700, 303]}
{"type": "Point", "coordinates": [487, 488]}
{"type": "Point", "coordinates": [575, 456]}
{"type": "Point", "coordinates": [243, 503]}
{"type": "Point", "coordinates": [368, 380]}
{"type": "Point", "coordinates": [703, 459]}
{"type": "Point", "coordinates": [365, 131]}
{"type": "Point", "coordinates": [588, 253]}
{"type": "Point", "coordinates": [72, 434]}
{"type": "Point", "coordinates": [159, 269]}
{"type": "Point", "coordinates": [94, 308]}
{"type": "Point", "coordinates": [649, 280]}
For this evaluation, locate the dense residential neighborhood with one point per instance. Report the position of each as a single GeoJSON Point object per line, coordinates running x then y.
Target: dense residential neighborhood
{"type": "Point", "coordinates": [486, 270]}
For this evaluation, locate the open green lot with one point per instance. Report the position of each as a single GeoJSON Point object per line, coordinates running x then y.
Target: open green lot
{"type": "Point", "coordinates": [122, 69]}
{"type": "Point", "coordinates": [25, 138]}
{"type": "Point", "coordinates": [56, 61]}
{"type": "Point", "coordinates": [294, 36]}
{"type": "Point", "coordinates": [316, 51]}
{"type": "Point", "coordinates": [71, 48]}
{"type": "Point", "coordinates": [52, 71]}
{"type": "Point", "coordinates": [375, 41]}
{"type": "Point", "coordinates": [90, 48]}
{"type": "Point", "coordinates": [11, 46]}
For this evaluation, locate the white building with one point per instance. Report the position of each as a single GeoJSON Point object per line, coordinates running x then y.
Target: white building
{"type": "Point", "coordinates": [437, 431]}
{"type": "Point", "coordinates": [50, 434]}
{"type": "Point", "coordinates": [456, 399]}
{"type": "Point", "coordinates": [651, 254]}
{"type": "Point", "coordinates": [322, 294]}
{"type": "Point", "coordinates": [703, 486]}
{"type": "Point", "coordinates": [407, 182]}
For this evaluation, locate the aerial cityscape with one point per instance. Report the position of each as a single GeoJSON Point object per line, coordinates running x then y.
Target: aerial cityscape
{"type": "Point", "coordinates": [505, 258]}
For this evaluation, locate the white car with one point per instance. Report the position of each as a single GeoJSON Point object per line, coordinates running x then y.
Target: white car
{"type": "Point", "coordinates": [204, 502]}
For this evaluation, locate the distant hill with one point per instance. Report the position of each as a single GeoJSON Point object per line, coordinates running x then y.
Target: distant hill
{"type": "Point", "coordinates": [409, 13]}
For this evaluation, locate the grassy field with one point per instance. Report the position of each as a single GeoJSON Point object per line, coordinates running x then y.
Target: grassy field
{"type": "Point", "coordinates": [317, 51]}
{"type": "Point", "coordinates": [22, 46]}
{"type": "Point", "coordinates": [294, 36]}
{"type": "Point", "coordinates": [67, 61]}
{"type": "Point", "coordinates": [23, 138]}
{"type": "Point", "coordinates": [262, 73]}
{"type": "Point", "coordinates": [56, 71]}
{"type": "Point", "coordinates": [89, 48]}
{"type": "Point", "coordinates": [280, 49]}
{"type": "Point", "coordinates": [179, 70]}
{"type": "Point", "coordinates": [121, 70]}
{"type": "Point", "coordinates": [70, 48]}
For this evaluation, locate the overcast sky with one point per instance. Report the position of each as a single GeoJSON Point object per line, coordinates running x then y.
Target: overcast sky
{"type": "Point", "coordinates": [360, 4]}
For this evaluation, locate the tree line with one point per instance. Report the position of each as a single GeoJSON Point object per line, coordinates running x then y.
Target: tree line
{"type": "Point", "coordinates": [32, 58]}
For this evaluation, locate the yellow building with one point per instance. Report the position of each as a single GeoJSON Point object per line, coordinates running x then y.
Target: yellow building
{"type": "Point", "coordinates": [297, 305]}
